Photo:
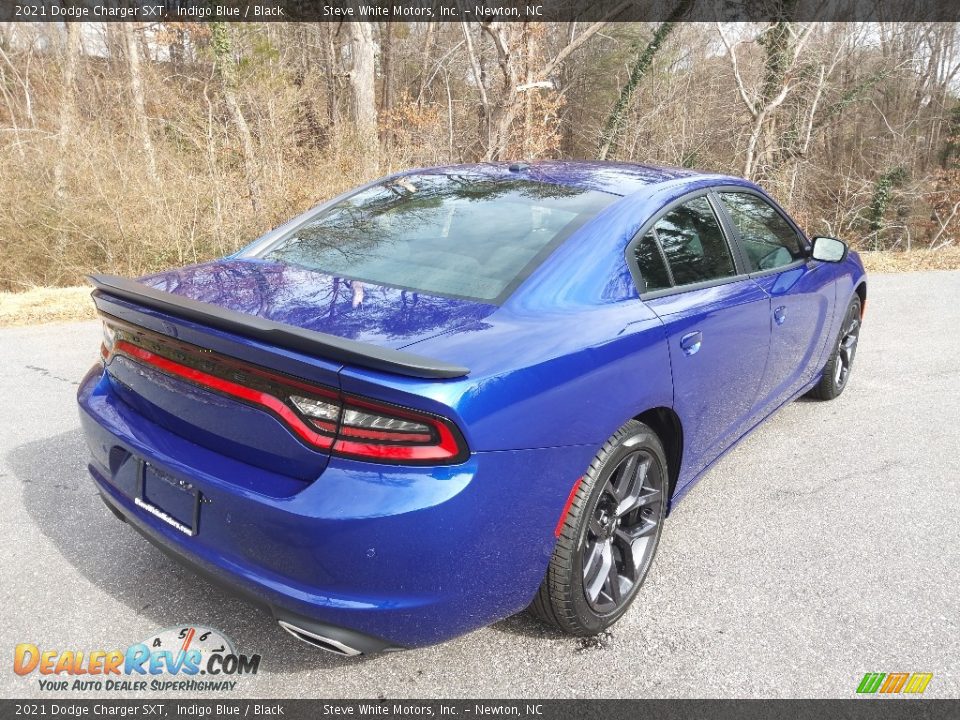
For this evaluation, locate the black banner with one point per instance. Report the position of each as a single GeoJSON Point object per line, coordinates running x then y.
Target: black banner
{"type": "Point", "coordinates": [852, 709]}
{"type": "Point", "coordinates": [475, 10]}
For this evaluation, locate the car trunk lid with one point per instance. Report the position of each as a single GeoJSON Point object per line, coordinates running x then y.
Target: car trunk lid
{"type": "Point", "coordinates": [206, 345]}
{"type": "Point", "coordinates": [381, 316]}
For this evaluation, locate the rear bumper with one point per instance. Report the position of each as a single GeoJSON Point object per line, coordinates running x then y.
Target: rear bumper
{"type": "Point", "coordinates": [344, 637]}
{"type": "Point", "coordinates": [395, 557]}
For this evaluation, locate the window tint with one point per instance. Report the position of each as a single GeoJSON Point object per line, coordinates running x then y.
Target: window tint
{"type": "Point", "coordinates": [463, 235]}
{"type": "Point", "coordinates": [693, 243]}
{"type": "Point", "coordinates": [650, 261]}
{"type": "Point", "coordinates": [767, 239]}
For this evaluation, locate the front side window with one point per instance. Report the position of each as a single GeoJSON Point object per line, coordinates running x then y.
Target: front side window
{"type": "Point", "coordinates": [767, 239]}
{"type": "Point", "coordinates": [693, 243]}
{"type": "Point", "coordinates": [464, 235]}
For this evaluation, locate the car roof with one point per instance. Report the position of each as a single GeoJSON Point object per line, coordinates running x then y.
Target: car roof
{"type": "Point", "coordinates": [615, 178]}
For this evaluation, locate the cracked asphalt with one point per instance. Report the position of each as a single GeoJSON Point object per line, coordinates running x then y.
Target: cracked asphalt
{"type": "Point", "coordinates": [825, 546]}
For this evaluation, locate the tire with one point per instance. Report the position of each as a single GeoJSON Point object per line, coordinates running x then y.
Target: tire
{"type": "Point", "coordinates": [614, 522]}
{"type": "Point", "coordinates": [836, 373]}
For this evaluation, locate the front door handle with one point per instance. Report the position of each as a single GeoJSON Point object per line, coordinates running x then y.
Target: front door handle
{"type": "Point", "coordinates": [690, 343]}
{"type": "Point", "coordinates": [780, 315]}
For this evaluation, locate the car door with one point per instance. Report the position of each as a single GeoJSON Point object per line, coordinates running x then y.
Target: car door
{"type": "Point", "coordinates": [801, 291]}
{"type": "Point", "coordinates": [716, 320]}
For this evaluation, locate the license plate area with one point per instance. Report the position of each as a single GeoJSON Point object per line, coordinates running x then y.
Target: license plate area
{"type": "Point", "coordinates": [175, 502]}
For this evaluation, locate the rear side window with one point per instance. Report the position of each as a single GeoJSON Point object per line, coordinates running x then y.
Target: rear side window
{"type": "Point", "coordinates": [650, 261]}
{"type": "Point", "coordinates": [693, 243]}
{"type": "Point", "coordinates": [463, 235]}
{"type": "Point", "coordinates": [767, 239]}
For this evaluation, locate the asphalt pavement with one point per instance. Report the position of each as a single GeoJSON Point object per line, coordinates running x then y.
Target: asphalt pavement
{"type": "Point", "coordinates": [827, 545]}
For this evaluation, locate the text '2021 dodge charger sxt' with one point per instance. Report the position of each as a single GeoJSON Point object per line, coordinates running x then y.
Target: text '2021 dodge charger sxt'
{"type": "Point", "coordinates": [459, 392]}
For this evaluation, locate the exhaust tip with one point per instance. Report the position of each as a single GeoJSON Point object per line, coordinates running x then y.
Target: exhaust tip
{"type": "Point", "coordinates": [319, 641]}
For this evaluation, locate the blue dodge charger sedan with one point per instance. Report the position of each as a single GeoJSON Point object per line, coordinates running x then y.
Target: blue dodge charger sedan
{"type": "Point", "coordinates": [455, 393]}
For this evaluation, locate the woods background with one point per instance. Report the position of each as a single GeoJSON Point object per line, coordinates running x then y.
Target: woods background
{"type": "Point", "coordinates": [128, 148]}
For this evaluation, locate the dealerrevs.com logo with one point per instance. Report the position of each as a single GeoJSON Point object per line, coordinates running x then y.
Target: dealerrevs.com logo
{"type": "Point", "coordinates": [188, 658]}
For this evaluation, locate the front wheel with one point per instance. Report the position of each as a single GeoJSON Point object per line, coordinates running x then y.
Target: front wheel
{"type": "Point", "coordinates": [836, 373]}
{"type": "Point", "coordinates": [610, 535]}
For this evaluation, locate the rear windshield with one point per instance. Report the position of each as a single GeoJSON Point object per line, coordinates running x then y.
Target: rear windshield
{"type": "Point", "coordinates": [457, 235]}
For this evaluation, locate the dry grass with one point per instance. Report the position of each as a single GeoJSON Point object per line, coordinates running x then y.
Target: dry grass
{"type": "Point", "coordinates": [946, 258]}
{"type": "Point", "coordinates": [43, 305]}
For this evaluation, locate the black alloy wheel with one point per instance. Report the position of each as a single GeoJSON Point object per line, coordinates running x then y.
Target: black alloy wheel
{"type": "Point", "coordinates": [836, 373]}
{"type": "Point", "coordinates": [621, 535]}
{"type": "Point", "coordinates": [610, 535]}
{"type": "Point", "coordinates": [847, 347]}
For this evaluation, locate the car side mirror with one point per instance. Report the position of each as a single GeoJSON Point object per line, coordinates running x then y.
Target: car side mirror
{"type": "Point", "coordinates": [828, 249]}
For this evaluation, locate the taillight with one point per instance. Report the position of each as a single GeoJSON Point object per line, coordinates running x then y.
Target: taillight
{"type": "Point", "coordinates": [394, 434]}
{"type": "Point", "coordinates": [320, 416]}
{"type": "Point", "coordinates": [109, 337]}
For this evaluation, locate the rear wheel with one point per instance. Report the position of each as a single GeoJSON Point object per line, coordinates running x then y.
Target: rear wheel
{"type": "Point", "coordinates": [610, 535]}
{"type": "Point", "coordinates": [836, 373]}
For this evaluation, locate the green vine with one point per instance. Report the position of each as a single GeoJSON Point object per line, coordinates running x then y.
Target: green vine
{"type": "Point", "coordinates": [882, 194]}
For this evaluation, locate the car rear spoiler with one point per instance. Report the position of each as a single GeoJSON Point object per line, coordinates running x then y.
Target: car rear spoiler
{"type": "Point", "coordinates": [309, 342]}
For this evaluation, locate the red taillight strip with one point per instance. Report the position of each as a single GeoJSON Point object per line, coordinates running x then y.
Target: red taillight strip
{"type": "Point", "coordinates": [385, 435]}
{"type": "Point", "coordinates": [212, 382]}
{"type": "Point", "coordinates": [443, 444]}
{"type": "Point", "coordinates": [446, 449]}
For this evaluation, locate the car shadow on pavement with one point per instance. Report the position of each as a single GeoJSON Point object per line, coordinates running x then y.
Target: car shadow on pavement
{"type": "Point", "coordinates": [61, 499]}
{"type": "Point", "coordinates": [525, 625]}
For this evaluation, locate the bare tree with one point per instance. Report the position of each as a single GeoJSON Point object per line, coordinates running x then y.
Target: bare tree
{"type": "Point", "coordinates": [783, 42]}
{"type": "Point", "coordinates": [856, 127]}
{"type": "Point", "coordinates": [386, 85]}
{"type": "Point", "coordinates": [139, 104]}
{"type": "Point", "coordinates": [641, 64]}
{"type": "Point", "coordinates": [227, 70]}
{"type": "Point", "coordinates": [510, 41]}
{"type": "Point", "coordinates": [363, 90]}
{"type": "Point", "coordinates": [67, 120]}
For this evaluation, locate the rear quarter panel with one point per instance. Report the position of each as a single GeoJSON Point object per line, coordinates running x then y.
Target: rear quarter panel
{"type": "Point", "coordinates": [569, 379]}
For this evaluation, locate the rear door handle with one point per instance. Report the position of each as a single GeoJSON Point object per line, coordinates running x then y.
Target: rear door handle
{"type": "Point", "coordinates": [690, 343]}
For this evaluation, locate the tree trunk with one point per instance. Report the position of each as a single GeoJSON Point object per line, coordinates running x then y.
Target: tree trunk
{"type": "Point", "coordinates": [332, 63]}
{"type": "Point", "coordinates": [363, 91]}
{"type": "Point", "coordinates": [427, 61]}
{"type": "Point", "coordinates": [227, 70]}
{"type": "Point", "coordinates": [386, 86]}
{"type": "Point", "coordinates": [139, 104]}
{"type": "Point", "coordinates": [506, 37]}
{"type": "Point", "coordinates": [67, 120]}
{"type": "Point", "coordinates": [11, 111]}
{"type": "Point", "coordinates": [531, 53]}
